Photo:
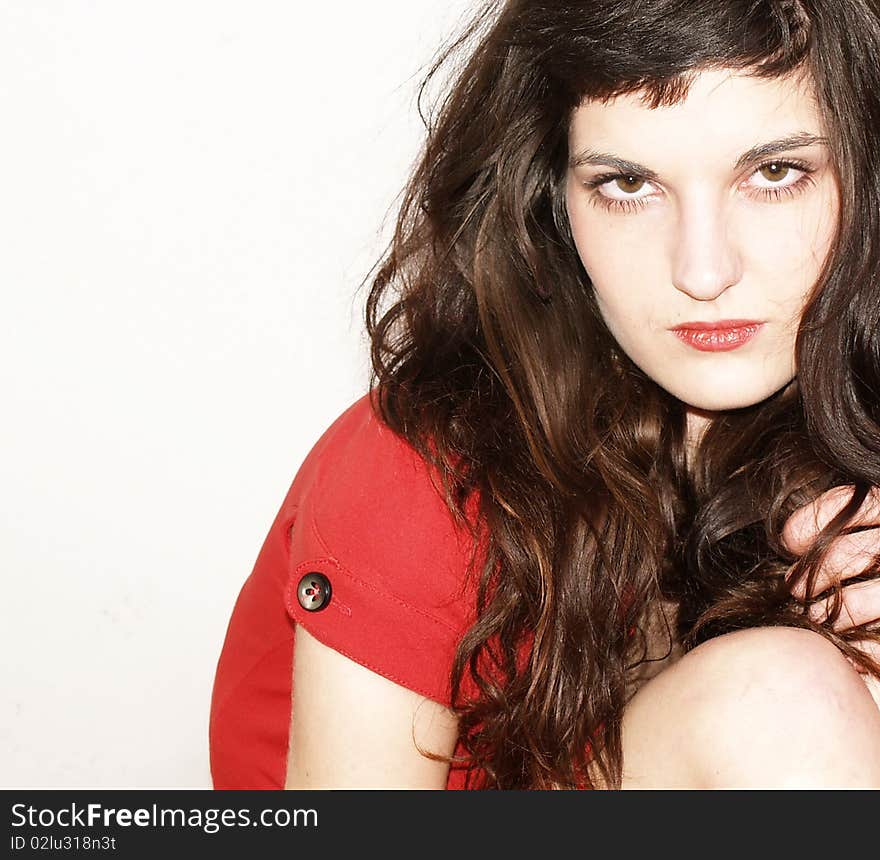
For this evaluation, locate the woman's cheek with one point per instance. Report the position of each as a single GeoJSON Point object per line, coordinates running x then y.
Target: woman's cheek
{"type": "Point", "coordinates": [790, 241]}
{"type": "Point", "coordinates": [615, 260]}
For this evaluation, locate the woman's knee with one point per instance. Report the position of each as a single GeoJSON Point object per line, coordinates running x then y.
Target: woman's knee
{"type": "Point", "coordinates": [768, 706]}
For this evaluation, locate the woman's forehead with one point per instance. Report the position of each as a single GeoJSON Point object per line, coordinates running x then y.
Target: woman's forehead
{"type": "Point", "coordinates": [723, 108]}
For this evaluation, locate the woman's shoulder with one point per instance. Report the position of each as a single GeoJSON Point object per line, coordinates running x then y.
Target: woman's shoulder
{"type": "Point", "coordinates": [369, 517]}
{"type": "Point", "coordinates": [361, 479]}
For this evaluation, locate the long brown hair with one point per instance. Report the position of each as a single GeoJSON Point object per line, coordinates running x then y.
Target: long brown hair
{"type": "Point", "coordinates": [491, 358]}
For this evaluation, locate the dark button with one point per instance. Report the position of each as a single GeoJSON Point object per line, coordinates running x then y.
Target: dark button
{"type": "Point", "coordinates": [313, 591]}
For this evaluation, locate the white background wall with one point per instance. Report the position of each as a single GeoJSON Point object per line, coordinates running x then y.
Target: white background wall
{"type": "Point", "coordinates": [190, 193]}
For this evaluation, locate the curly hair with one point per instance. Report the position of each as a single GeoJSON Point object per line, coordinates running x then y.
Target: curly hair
{"type": "Point", "coordinates": [491, 358]}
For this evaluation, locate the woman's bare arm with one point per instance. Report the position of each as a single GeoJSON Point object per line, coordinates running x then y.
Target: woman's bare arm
{"type": "Point", "coordinates": [353, 728]}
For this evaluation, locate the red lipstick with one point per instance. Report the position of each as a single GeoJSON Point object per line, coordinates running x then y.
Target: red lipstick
{"type": "Point", "coordinates": [718, 336]}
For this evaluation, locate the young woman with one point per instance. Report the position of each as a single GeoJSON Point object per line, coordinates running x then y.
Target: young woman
{"type": "Point", "coordinates": [607, 516]}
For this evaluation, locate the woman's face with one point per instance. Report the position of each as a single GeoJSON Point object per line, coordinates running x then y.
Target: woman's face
{"type": "Point", "coordinates": [703, 227]}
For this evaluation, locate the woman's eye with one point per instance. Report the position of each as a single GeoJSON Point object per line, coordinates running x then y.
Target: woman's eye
{"type": "Point", "coordinates": [776, 174]}
{"type": "Point", "coordinates": [629, 184]}
{"type": "Point", "coordinates": [623, 187]}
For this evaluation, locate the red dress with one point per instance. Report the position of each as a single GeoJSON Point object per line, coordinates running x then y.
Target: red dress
{"type": "Point", "coordinates": [363, 511]}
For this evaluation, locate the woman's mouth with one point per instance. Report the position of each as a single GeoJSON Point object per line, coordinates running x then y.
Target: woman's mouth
{"type": "Point", "coordinates": [719, 336]}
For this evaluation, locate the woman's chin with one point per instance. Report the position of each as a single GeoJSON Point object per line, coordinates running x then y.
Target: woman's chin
{"type": "Point", "coordinates": [723, 398]}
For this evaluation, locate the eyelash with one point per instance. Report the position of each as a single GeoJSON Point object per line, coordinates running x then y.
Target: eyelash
{"type": "Point", "coordinates": [599, 199]}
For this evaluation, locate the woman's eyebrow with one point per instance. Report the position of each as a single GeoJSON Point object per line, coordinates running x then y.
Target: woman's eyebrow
{"type": "Point", "coordinates": [591, 156]}
{"type": "Point", "coordinates": [793, 141]}
{"type": "Point", "coordinates": [756, 153]}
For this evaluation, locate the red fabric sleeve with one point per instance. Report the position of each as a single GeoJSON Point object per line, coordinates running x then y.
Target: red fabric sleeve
{"type": "Point", "coordinates": [364, 511]}
{"type": "Point", "coordinates": [374, 523]}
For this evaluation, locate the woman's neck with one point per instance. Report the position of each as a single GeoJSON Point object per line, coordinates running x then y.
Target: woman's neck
{"type": "Point", "coordinates": [697, 420]}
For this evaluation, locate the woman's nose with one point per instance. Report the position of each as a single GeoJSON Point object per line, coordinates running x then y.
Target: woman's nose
{"type": "Point", "coordinates": [705, 260]}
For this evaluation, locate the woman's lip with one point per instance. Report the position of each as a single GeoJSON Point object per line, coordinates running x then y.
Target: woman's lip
{"type": "Point", "coordinates": [702, 325]}
{"type": "Point", "coordinates": [721, 336]}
